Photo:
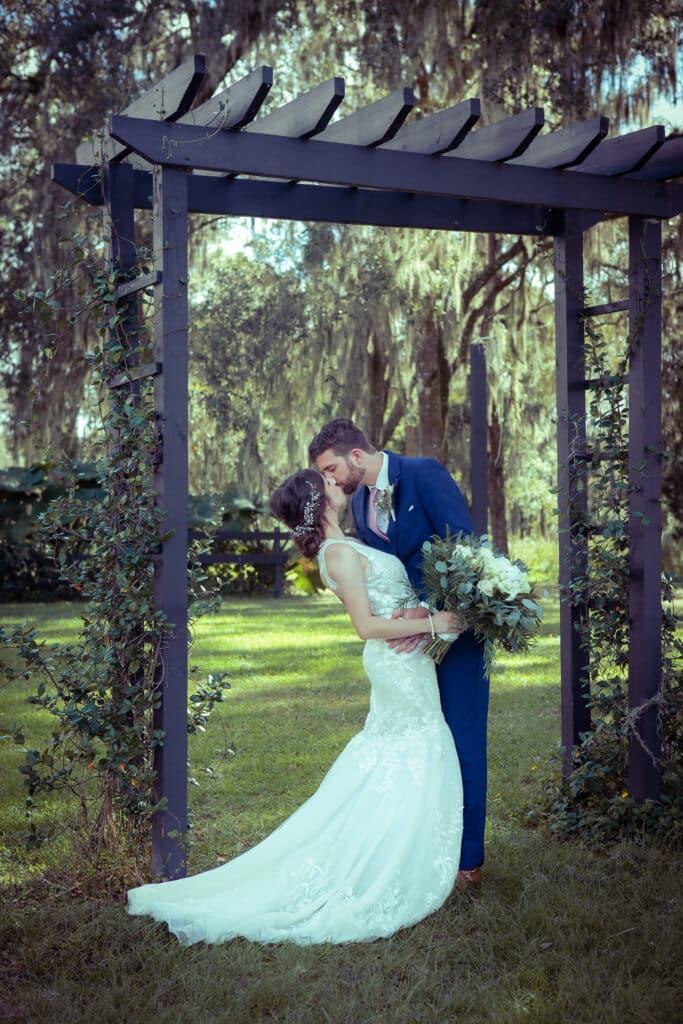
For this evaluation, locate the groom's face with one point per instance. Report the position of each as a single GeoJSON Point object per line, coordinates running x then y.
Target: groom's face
{"type": "Point", "coordinates": [347, 470]}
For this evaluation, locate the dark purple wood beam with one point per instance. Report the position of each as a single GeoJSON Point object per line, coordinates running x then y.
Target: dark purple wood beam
{"type": "Point", "coordinates": [361, 167]}
{"type": "Point", "coordinates": [117, 192]}
{"type": "Point", "coordinates": [478, 395]}
{"type": "Point", "coordinates": [235, 106]}
{"type": "Point", "coordinates": [624, 153]}
{"type": "Point", "coordinates": [621, 306]}
{"type": "Point", "coordinates": [571, 442]}
{"type": "Point", "coordinates": [645, 506]}
{"type": "Point", "coordinates": [249, 198]}
{"type": "Point", "coordinates": [170, 575]}
{"type": "Point", "coordinates": [564, 147]}
{"type": "Point", "coordinates": [439, 132]}
{"type": "Point", "coordinates": [118, 183]}
{"type": "Point", "coordinates": [305, 116]}
{"type": "Point", "coordinates": [168, 100]}
{"type": "Point", "coordinates": [666, 162]}
{"type": "Point", "coordinates": [504, 139]}
{"type": "Point", "coordinates": [371, 125]}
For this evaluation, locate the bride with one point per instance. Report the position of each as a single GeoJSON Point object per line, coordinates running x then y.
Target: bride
{"type": "Point", "coordinates": [377, 846]}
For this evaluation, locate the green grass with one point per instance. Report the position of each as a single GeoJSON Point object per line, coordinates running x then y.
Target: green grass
{"type": "Point", "coordinates": [557, 934]}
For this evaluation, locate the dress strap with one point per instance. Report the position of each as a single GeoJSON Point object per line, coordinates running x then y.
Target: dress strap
{"type": "Point", "coordinates": [325, 576]}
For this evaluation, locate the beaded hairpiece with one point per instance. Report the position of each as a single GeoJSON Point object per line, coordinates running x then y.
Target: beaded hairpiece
{"type": "Point", "coordinates": [307, 525]}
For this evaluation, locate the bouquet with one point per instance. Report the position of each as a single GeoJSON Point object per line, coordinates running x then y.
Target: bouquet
{"type": "Point", "coordinates": [489, 594]}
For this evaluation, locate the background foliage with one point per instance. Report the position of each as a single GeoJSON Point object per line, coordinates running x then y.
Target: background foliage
{"type": "Point", "coordinates": [350, 321]}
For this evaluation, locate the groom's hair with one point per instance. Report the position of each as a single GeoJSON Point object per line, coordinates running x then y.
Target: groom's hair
{"type": "Point", "coordinates": [341, 436]}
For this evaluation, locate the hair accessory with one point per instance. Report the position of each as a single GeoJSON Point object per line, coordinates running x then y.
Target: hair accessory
{"type": "Point", "coordinates": [307, 525]}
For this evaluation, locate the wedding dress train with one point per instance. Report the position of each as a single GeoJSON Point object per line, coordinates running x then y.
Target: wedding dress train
{"type": "Point", "coordinates": [374, 849]}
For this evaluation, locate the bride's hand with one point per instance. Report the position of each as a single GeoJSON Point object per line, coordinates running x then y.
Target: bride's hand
{"type": "Point", "coordinates": [446, 622]}
{"type": "Point", "coordinates": [408, 643]}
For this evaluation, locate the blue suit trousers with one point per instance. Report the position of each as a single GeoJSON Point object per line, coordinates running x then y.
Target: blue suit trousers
{"type": "Point", "coordinates": [464, 690]}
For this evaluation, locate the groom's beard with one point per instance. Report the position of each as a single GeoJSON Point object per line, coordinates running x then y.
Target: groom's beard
{"type": "Point", "coordinates": [355, 477]}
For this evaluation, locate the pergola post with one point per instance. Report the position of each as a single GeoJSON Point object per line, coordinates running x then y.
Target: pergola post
{"type": "Point", "coordinates": [119, 225]}
{"type": "Point", "coordinates": [572, 478]}
{"type": "Point", "coordinates": [119, 215]}
{"type": "Point", "coordinates": [645, 510]}
{"type": "Point", "coordinates": [170, 576]}
{"type": "Point", "coordinates": [478, 439]}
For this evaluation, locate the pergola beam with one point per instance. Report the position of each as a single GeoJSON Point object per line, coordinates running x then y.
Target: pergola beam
{"type": "Point", "coordinates": [209, 194]}
{"type": "Point", "coordinates": [235, 106]}
{"type": "Point", "coordinates": [166, 101]}
{"type": "Point", "coordinates": [371, 125]}
{"type": "Point", "coordinates": [504, 139]}
{"type": "Point", "coordinates": [329, 163]}
{"type": "Point", "coordinates": [305, 116]}
{"type": "Point", "coordinates": [667, 162]}
{"type": "Point", "coordinates": [564, 147]}
{"type": "Point", "coordinates": [439, 132]}
{"type": "Point", "coordinates": [624, 153]}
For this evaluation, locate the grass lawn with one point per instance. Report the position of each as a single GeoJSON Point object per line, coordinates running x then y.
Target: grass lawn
{"type": "Point", "coordinates": [557, 934]}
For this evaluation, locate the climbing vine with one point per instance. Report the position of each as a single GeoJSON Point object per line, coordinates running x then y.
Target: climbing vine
{"type": "Point", "coordinates": [594, 802]}
{"type": "Point", "coordinates": [103, 690]}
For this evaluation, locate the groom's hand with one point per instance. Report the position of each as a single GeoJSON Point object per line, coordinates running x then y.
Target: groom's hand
{"type": "Point", "coordinates": [408, 643]}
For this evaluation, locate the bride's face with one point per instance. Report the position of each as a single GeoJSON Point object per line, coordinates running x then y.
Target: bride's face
{"type": "Point", "coordinates": [336, 498]}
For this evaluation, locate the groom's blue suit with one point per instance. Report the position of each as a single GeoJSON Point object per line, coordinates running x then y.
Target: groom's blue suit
{"type": "Point", "coordinates": [427, 501]}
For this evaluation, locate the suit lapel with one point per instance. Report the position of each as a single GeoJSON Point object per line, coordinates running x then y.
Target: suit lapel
{"type": "Point", "coordinates": [394, 474]}
{"type": "Point", "coordinates": [358, 509]}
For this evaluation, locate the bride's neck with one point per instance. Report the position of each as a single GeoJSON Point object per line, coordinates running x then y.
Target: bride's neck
{"type": "Point", "coordinates": [331, 526]}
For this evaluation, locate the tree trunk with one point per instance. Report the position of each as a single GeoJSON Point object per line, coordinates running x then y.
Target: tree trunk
{"type": "Point", "coordinates": [496, 475]}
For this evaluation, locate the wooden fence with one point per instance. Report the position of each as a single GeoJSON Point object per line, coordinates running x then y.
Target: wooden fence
{"type": "Point", "coordinates": [276, 557]}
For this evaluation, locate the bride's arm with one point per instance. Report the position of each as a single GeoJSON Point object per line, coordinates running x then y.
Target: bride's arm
{"type": "Point", "coordinates": [345, 567]}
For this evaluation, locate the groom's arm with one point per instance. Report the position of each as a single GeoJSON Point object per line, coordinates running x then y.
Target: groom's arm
{"type": "Point", "coordinates": [442, 500]}
{"type": "Point", "coordinates": [445, 510]}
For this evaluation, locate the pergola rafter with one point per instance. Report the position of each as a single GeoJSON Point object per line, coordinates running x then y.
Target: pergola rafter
{"type": "Point", "coordinates": [371, 167]}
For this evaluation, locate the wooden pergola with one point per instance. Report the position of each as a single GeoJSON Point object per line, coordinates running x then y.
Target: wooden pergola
{"type": "Point", "coordinates": [374, 167]}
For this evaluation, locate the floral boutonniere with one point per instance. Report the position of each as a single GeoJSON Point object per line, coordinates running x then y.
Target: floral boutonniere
{"type": "Point", "coordinates": [385, 501]}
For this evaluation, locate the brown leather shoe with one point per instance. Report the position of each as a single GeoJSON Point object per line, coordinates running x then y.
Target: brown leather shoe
{"type": "Point", "coordinates": [466, 881]}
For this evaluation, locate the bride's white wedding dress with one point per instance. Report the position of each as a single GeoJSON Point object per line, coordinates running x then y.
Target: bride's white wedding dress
{"type": "Point", "coordinates": [374, 849]}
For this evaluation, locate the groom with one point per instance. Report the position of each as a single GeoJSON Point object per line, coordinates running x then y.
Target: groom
{"type": "Point", "coordinates": [397, 504]}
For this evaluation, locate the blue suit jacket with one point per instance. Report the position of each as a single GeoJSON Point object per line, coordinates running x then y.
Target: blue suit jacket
{"type": "Point", "coordinates": [426, 500]}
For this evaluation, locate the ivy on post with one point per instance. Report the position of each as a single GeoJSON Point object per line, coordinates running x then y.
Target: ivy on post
{"type": "Point", "coordinates": [170, 574]}
{"type": "Point", "coordinates": [572, 482]}
{"type": "Point", "coordinates": [645, 511]}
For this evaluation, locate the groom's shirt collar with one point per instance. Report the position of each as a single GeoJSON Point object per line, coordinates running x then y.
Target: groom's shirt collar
{"type": "Point", "coordinates": [382, 482]}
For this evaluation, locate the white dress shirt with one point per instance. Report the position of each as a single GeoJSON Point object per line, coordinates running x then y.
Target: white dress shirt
{"type": "Point", "coordinates": [382, 484]}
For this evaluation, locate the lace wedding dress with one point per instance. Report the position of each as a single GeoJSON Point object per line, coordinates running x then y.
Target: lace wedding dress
{"type": "Point", "coordinates": [374, 849]}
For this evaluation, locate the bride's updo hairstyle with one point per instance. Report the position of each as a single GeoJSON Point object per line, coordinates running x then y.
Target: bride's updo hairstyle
{"type": "Point", "coordinates": [300, 503]}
